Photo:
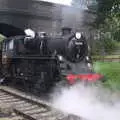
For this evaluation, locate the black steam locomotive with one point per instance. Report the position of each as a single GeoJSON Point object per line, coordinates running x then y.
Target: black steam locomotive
{"type": "Point", "coordinates": [40, 61]}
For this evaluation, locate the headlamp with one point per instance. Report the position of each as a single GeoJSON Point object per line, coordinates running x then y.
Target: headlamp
{"type": "Point", "coordinates": [60, 58]}
{"type": "Point", "coordinates": [30, 33]}
{"type": "Point", "coordinates": [78, 35]}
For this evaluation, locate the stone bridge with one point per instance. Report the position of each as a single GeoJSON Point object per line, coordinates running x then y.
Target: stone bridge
{"type": "Point", "coordinates": [17, 15]}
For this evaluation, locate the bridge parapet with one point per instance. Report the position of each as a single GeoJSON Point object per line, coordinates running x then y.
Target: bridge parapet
{"type": "Point", "coordinates": [42, 16]}
{"type": "Point", "coordinates": [31, 8]}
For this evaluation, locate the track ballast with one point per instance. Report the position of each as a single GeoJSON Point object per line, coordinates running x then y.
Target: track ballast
{"type": "Point", "coordinates": [31, 107]}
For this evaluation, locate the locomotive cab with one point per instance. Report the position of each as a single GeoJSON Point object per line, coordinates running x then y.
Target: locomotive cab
{"type": "Point", "coordinates": [8, 50]}
{"type": "Point", "coordinates": [13, 46]}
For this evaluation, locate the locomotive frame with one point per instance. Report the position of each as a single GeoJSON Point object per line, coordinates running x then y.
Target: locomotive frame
{"type": "Point", "coordinates": [41, 61]}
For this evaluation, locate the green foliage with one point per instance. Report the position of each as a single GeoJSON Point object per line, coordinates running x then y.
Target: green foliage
{"type": "Point", "coordinates": [96, 50]}
{"type": "Point", "coordinates": [109, 33]}
{"type": "Point", "coordinates": [108, 43]}
{"type": "Point", "coordinates": [106, 8]}
{"type": "Point", "coordinates": [107, 23]}
{"type": "Point", "coordinates": [1, 38]}
{"type": "Point", "coordinates": [79, 3]}
{"type": "Point", "coordinates": [111, 72]}
{"type": "Point", "coordinates": [104, 45]}
{"type": "Point", "coordinates": [103, 8]}
{"type": "Point", "coordinates": [116, 7]}
{"type": "Point", "coordinates": [112, 25]}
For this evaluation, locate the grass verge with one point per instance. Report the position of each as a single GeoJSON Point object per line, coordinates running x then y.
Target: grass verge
{"type": "Point", "coordinates": [111, 71]}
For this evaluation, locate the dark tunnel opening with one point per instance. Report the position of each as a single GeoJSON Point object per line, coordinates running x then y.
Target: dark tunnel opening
{"type": "Point", "coordinates": [9, 30]}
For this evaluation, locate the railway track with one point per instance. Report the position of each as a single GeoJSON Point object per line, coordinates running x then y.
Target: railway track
{"type": "Point", "coordinates": [31, 107]}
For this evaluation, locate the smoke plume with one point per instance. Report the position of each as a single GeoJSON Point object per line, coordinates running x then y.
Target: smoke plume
{"type": "Point", "coordinates": [90, 102]}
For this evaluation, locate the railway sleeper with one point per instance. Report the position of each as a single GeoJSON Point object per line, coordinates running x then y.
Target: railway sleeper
{"type": "Point", "coordinates": [10, 100]}
{"type": "Point", "coordinates": [47, 118]}
{"type": "Point", "coordinates": [28, 108]}
{"type": "Point", "coordinates": [48, 115]}
{"type": "Point", "coordinates": [1, 94]}
{"type": "Point", "coordinates": [6, 97]}
{"type": "Point", "coordinates": [16, 103]}
{"type": "Point", "coordinates": [24, 104]}
{"type": "Point", "coordinates": [33, 109]}
{"type": "Point", "coordinates": [36, 111]}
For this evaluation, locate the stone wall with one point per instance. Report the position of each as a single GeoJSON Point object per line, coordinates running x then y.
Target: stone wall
{"type": "Point", "coordinates": [43, 16]}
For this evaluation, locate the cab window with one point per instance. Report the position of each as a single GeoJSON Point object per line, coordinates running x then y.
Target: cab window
{"type": "Point", "coordinates": [11, 45]}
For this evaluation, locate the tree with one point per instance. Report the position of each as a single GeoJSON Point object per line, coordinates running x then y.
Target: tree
{"type": "Point", "coordinates": [79, 3]}
{"type": "Point", "coordinates": [112, 21]}
{"type": "Point", "coordinates": [85, 4]}
{"type": "Point", "coordinates": [1, 39]}
{"type": "Point", "coordinates": [107, 22]}
{"type": "Point", "coordinates": [101, 7]}
{"type": "Point", "coordinates": [105, 8]}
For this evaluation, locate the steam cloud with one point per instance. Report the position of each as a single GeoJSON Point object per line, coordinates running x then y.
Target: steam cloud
{"type": "Point", "coordinates": [90, 102]}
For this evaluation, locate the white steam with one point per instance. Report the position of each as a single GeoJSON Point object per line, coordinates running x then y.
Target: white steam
{"type": "Point", "coordinates": [64, 2]}
{"type": "Point", "coordinates": [89, 102]}
{"type": "Point", "coordinates": [29, 32]}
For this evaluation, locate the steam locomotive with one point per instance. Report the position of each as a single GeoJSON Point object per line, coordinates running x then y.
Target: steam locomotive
{"type": "Point", "coordinates": [38, 60]}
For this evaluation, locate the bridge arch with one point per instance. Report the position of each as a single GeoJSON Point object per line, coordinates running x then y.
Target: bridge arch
{"type": "Point", "coordinates": [10, 30]}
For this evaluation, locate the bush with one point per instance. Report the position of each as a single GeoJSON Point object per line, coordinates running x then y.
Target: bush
{"type": "Point", "coordinates": [1, 39]}
{"type": "Point", "coordinates": [109, 34]}
{"type": "Point", "coordinates": [104, 46]}
{"type": "Point", "coordinates": [109, 45]}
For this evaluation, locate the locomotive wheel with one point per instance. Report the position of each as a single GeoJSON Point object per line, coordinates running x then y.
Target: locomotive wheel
{"type": "Point", "coordinates": [9, 81]}
{"type": "Point", "coordinates": [41, 87]}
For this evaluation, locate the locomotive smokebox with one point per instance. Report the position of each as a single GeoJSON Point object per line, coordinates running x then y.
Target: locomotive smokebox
{"type": "Point", "coordinates": [73, 47]}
